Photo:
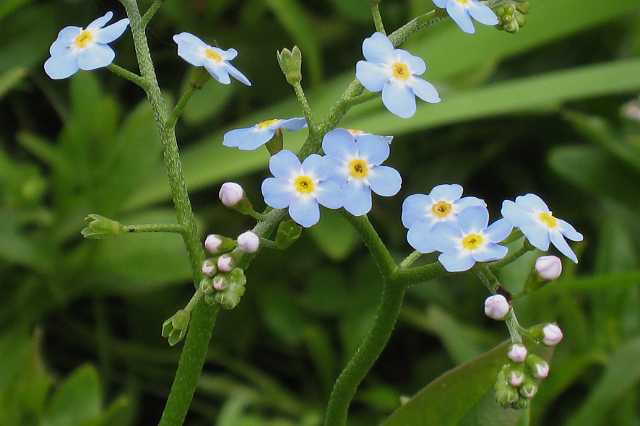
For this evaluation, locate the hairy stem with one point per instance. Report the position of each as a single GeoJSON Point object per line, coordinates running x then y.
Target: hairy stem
{"type": "Point", "coordinates": [128, 75]}
{"type": "Point", "coordinates": [377, 18]}
{"type": "Point", "coordinates": [156, 227]}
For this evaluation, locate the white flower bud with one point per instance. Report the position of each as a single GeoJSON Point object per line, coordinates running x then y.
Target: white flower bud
{"type": "Point", "coordinates": [552, 334]}
{"type": "Point", "coordinates": [248, 242]}
{"type": "Point", "coordinates": [208, 268]}
{"type": "Point", "coordinates": [231, 194]}
{"type": "Point", "coordinates": [219, 283]}
{"type": "Point", "coordinates": [212, 243]}
{"type": "Point", "coordinates": [496, 307]}
{"type": "Point", "coordinates": [541, 370]}
{"type": "Point", "coordinates": [517, 353]}
{"type": "Point", "coordinates": [516, 378]}
{"type": "Point", "coordinates": [225, 263]}
{"type": "Point", "coordinates": [548, 268]}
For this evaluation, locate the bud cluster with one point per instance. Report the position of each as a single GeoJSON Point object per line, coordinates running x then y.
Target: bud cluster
{"type": "Point", "coordinates": [518, 381]}
{"type": "Point", "coordinates": [512, 14]}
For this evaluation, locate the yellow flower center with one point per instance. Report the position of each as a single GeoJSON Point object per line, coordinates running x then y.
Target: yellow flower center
{"type": "Point", "coordinates": [463, 2]}
{"type": "Point", "coordinates": [548, 219]}
{"type": "Point", "coordinates": [472, 241]}
{"type": "Point", "coordinates": [266, 123]}
{"type": "Point", "coordinates": [304, 184]}
{"type": "Point", "coordinates": [441, 209]}
{"type": "Point", "coordinates": [83, 39]}
{"type": "Point", "coordinates": [212, 54]}
{"type": "Point", "coordinates": [358, 169]}
{"type": "Point", "coordinates": [400, 71]}
{"type": "Point", "coordinates": [355, 132]}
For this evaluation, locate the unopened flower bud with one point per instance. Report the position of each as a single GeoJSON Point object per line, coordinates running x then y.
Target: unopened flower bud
{"type": "Point", "coordinates": [290, 62]}
{"type": "Point", "coordinates": [231, 194]}
{"type": "Point", "coordinates": [552, 334]}
{"type": "Point", "coordinates": [517, 353]}
{"type": "Point", "coordinates": [248, 242]}
{"type": "Point", "coordinates": [230, 296]}
{"type": "Point", "coordinates": [496, 307]}
{"type": "Point", "coordinates": [225, 263]}
{"type": "Point", "coordinates": [175, 328]}
{"type": "Point", "coordinates": [516, 378]}
{"type": "Point", "coordinates": [219, 282]}
{"type": "Point", "coordinates": [548, 268]}
{"type": "Point", "coordinates": [528, 389]}
{"type": "Point", "coordinates": [100, 227]}
{"type": "Point", "coordinates": [539, 367]}
{"type": "Point", "coordinates": [209, 267]}
{"type": "Point", "coordinates": [205, 286]}
{"type": "Point", "coordinates": [216, 244]}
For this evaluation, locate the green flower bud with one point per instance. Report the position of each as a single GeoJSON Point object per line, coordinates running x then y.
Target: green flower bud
{"type": "Point", "coordinates": [100, 227]}
{"type": "Point", "coordinates": [233, 290]}
{"type": "Point", "coordinates": [529, 388]}
{"type": "Point", "coordinates": [520, 404]}
{"type": "Point", "coordinates": [206, 286]}
{"type": "Point", "coordinates": [175, 328]}
{"type": "Point", "coordinates": [291, 64]}
{"type": "Point", "coordinates": [287, 234]}
{"type": "Point", "coordinates": [538, 366]}
{"type": "Point", "coordinates": [511, 14]}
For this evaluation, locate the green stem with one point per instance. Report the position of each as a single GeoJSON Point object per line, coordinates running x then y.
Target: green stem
{"type": "Point", "coordinates": [410, 260]}
{"type": "Point", "coordinates": [128, 75]}
{"type": "Point", "coordinates": [151, 12]}
{"type": "Point", "coordinates": [155, 227]}
{"type": "Point", "coordinates": [269, 244]}
{"type": "Point", "coordinates": [306, 109]}
{"type": "Point", "coordinates": [512, 257]}
{"type": "Point", "coordinates": [198, 81]}
{"type": "Point", "coordinates": [420, 274]}
{"type": "Point", "coordinates": [377, 18]}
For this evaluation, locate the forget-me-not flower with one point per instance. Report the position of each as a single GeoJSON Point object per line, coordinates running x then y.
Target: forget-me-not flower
{"type": "Point", "coordinates": [301, 187]}
{"type": "Point", "coordinates": [357, 166]}
{"type": "Point", "coordinates": [532, 216]}
{"type": "Point", "coordinates": [250, 138]}
{"type": "Point", "coordinates": [394, 72]}
{"type": "Point", "coordinates": [468, 240]}
{"type": "Point", "coordinates": [443, 203]}
{"type": "Point", "coordinates": [85, 49]}
{"type": "Point", "coordinates": [215, 60]}
{"type": "Point", "coordinates": [356, 133]}
{"type": "Point", "coordinates": [461, 11]}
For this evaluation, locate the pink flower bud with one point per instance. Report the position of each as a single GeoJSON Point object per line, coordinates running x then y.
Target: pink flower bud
{"type": "Point", "coordinates": [541, 370]}
{"type": "Point", "coordinates": [551, 334]}
{"type": "Point", "coordinates": [516, 378]}
{"type": "Point", "coordinates": [225, 263]}
{"type": "Point", "coordinates": [219, 283]}
{"type": "Point", "coordinates": [496, 307]}
{"type": "Point", "coordinates": [231, 194]}
{"type": "Point", "coordinates": [517, 353]}
{"type": "Point", "coordinates": [548, 267]}
{"type": "Point", "coordinates": [248, 242]}
{"type": "Point", "coordinates": [208, 268]}
{"type": "Point", "coordinates": [212, 243]}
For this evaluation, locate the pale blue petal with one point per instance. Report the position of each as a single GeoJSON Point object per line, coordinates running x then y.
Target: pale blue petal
{"type": "Point", "coordinates": [385, 181]}
{"type": "Point", "coordinates": [293, 124]}
{"type": "Point", "coordinates": [218, 72]}
{"type": "Point", "coordinates": [445, 236]}
{"type": "Point", "coordinates": [374, 148]}
{"type": "Point", "coordinates": [456, 261]}
{"type": "Point", "coordinates": [339, 144]}
{"type": "Point", "coordinates": [446, 192]}
{"type": "Point", "coordinates": [516, 215]}
{"type": "Point", "coordinates": [276, 192]}
{"type": "Point", "coordinates": [235, 73]}
{"type": "Point", "coordinates": [102, 21]}
{"type": "Point", "coordinates": [561, 244]}
{"type": "Point", "coordinates": [467, 202]}
{"type": "Point", "coordinates": [537, 235]}
{"type": "Point", "coordinates": [229, 54]}
{"type": "Point", "coordinates": [424, 90]}
{"type": "Point", "coordinates": [371, 76]}
{"type": "Point", "coordinates": [283, 164]}
{"type": "Point", "coordinates": [531, 202]}
{"type": "Point", "coordinates": [399, 99]}
{"type": "Point", "coordinates": [190, 48]}
{"type": "Point", "coordinates": [416, 64]}
{"type": "Point", "coordinates": [59, 67]}
{"type": "Point", "coordinates": [473, 219]}
{"type": "Point", "coordinates": [317, 166]}
{"type": "Point", "coordinates": [377, 48]}
{"type": "Point", "coordinates": [253, 139]}
{"type": "Point", "coordinates": [440, 3]}
{"type": "Point", "coordinates": [96, 56]}
{"type": "Point", "coordinates": [112, 32]}
{"type": "Point", "coordinates": [61, 46]}
{"type": "Point", "coordinates": [460, 16]}
{"type": "Point", "coordinates": [420, 238]}
{"type": "Point", "coordinates": [357, 198]}
{"type": "Point", "coordinates": [490, 253]}
{"type": "Point", "coordinates": [569, 231]}
{"type": "Point", "coordinates": [305, 212]}
{"type": "Point", "coordinates": [329, 194]}
{"type": "Point", "coordinates": [483, 13]}
{"type": "Point", "coordinates": [499, 230]}
{"type": "Point", "coordinates": [414, 209]}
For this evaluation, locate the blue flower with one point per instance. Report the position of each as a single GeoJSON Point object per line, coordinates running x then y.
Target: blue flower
{"type": "Point", "coordinates": [443, 204]}
{"type": "Point", "coordinates": [215, 60]}
{"type": "Point", "coordinates": [300, 187]}
{"type": "Point", "coordinates": [255, 136]}
{"type": "Point", "coordinates": [394, 72]}
{"type": "Point", "coordinates": [461, 11]}
{"type": "Point", "coordinates": [532, 216]}
{"type": "Point", "coordinates": [357, 168]}
{"type": "Point", "coordinates": [468, 240]}
{"type": "Point", "coordinates": [85, 49]}
{"type": "Point", "coordinates": [358, 133]}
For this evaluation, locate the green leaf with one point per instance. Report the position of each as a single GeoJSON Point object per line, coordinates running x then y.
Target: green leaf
{"type": "Point", "coordinates": [334, 235]}
{"type": "Point", "coordinates": [77, 400]}
{"type": "Point", "coordinates": [11, 78]}
{"type": "Point", "coordinates": [206, 103]}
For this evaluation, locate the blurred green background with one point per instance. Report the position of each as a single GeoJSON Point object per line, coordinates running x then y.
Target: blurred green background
{"type": "Point", "coordinates": [545, 110]}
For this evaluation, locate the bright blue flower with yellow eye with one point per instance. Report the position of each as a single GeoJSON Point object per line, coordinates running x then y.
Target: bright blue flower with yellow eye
{"type": "Point", "coordinates": [461, 11]}
{"type": "Point", "coordinates": [250, 138]}
{"type": "Point", "coordinates": [213, 59]}
{"type": "Point", "coordinates": [468, 240]}
{"type": "Point", "coordinates": [357, 166]}
{"type": "Point", "coordinates": [532, 216]}
{"type": "Point", "coordinates": [395, 73]}
{"type": "Point", "coordinates": [301, 187]}
{"type": "Point", "coordinates": [85, 49]}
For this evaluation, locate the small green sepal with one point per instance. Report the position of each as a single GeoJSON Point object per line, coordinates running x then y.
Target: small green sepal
{"type": "Point", "coordinates": [175, 328]}
{"type": "Point", "coordinates": [290, 62]}
{"type": "Point", "coordinates": [287, 234]}
{"type": "Point", "coordinates": [233, 290]}
{"type": "Point", "coordinates": [100, 227]}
